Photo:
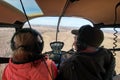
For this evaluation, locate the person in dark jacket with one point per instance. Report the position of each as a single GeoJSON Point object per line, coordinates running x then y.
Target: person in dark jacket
{"type": "Point", "coordinates": [90, 62]}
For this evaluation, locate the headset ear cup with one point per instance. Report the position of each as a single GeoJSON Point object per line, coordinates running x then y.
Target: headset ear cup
{"type": "Point", "coordinates": [12, 45]}
{"type": "Point", "coordinates": [81, 46]}
{"type": "Point", "coordinates": [40, 44]}
{"type": "Point", "coordinates": [40, 47]}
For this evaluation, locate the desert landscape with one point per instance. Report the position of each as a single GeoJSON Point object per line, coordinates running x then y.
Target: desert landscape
{"type": "Point", "coordinates": [49, 35]}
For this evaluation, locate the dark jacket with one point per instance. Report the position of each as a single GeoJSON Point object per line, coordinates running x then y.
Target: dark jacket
{"type": "Point", "coordinates": [88, 66]}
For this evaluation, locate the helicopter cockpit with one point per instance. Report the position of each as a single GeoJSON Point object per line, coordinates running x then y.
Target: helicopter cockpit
{"type": "Point", "coordinates": [17, 14]}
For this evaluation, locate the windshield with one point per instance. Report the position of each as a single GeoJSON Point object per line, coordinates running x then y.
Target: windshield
{"type": "Point", "coordinates": [48, 27]}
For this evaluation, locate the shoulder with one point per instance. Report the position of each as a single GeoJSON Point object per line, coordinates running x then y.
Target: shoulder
{"type": "Point", "coordinates": [108, 55]}
{"type": "Point", "coordinates": [104, 51]}
{"type": "Point", "coordinates": [51, 63]}
{"type": "Point", "coordinates": [69, 62]}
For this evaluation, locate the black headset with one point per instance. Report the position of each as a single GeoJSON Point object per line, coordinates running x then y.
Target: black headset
{"type": "Point", "coordinates": [81, 44]}
{"type": "Point", "coordinates": [36, 48]}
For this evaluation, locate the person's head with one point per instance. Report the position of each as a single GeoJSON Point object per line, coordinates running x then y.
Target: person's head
{"type": "Point", "coordinates": [26, 42]}
{"type": "Point", "coordinates": [87, 36]}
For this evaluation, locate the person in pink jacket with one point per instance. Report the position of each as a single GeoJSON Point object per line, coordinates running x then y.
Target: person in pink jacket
{"type": "Point", "coordinates": [27, 61]}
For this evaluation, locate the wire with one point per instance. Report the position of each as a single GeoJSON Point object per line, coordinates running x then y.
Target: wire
{"type": "Point", "coordinates": [64, 9]}
{"type": "Point", "coordinates": [51, 75]}
{"type": "Point", "coordinates": [115, 33]}
{"type": "Point", "coordinates": [25, 13]}
{"type": "Point", "coordinates": [30, 27]}
{"type": "Point", "coordinates": [115, 40]}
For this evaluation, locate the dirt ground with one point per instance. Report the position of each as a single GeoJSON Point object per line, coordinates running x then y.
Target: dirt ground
{"type": "Point", "coordinates": [49, 35]}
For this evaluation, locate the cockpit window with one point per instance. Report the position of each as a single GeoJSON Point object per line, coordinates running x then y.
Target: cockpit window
{"type": "Point", "coordinates": [111, 38]}
{"type": "Point", "coordinates": [5, 38]}
{"type": "Point", "coordinates": [31, 7]}
{"type": "Point", "coordinates": [47, 26]}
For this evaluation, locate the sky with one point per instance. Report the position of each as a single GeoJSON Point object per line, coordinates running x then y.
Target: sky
{"type": "Point", "coordinates": [66, 21]}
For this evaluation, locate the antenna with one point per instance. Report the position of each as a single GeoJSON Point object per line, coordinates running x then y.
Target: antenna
{"type": "Point", "coordinates": [62, 14]}
{"type": "Point", "coordinates": [25, 13]}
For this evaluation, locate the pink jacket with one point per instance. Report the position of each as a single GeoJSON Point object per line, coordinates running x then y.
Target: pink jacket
{"type": "Point", "coordinates": [30, 71]}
